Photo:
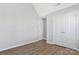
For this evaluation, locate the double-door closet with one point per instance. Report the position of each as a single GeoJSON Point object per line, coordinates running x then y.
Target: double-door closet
{"type": "Point", "coordinates": [63, 29]}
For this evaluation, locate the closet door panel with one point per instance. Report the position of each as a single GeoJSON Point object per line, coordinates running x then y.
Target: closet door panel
{"type": "Point", "coordinates": [77, 30]}
{"type": "Point", "coordinates": [58, 30]}
{"type": "Point", "coordinates": [49, 29]}
{"type": "Point", "coordinates": [69, 36]}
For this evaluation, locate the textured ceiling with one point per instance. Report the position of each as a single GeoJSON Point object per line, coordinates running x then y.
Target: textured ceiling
{"type": "Point", "coordinates": [44, 9]}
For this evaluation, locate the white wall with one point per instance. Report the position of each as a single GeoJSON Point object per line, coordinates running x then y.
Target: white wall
{"type": "Point", "coordinates": [43, 9]}
{"type": "Point", "coordinates": [19, 24]}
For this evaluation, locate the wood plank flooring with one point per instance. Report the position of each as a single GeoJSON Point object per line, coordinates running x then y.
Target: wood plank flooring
{"type": "Point", "coordinates": [40, 48]}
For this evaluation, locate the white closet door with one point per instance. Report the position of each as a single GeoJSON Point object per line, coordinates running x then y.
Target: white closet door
{"type": "Point", "coordinates": [58, 29]}
{"type": "Point", "coordinates": [70, 30]}
{"type": "Point", "coordinates": [64, 30]}
{"type": "Point", "coordinates": [77, 30]}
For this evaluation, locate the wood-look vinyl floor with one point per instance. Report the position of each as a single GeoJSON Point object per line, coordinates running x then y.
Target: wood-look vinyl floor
{"type": "Point", "coordinates": [40, 48]}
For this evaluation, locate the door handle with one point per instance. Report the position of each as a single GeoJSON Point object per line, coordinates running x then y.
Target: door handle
{"type": "Point", "coordinates": [62, 32]}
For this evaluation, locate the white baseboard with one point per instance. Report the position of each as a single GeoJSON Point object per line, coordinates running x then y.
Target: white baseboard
{"type": "Point", "coordinates": [21, 44]}
{"type": "Point", "coordinates": [49, 42]}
